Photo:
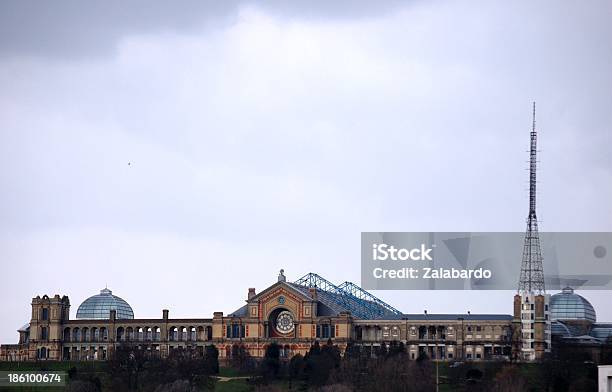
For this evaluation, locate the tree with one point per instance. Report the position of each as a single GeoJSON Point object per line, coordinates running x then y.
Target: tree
{"type": "Point", "coordinates": [320, 362]}
{"type": "Point", "coordinates": [296, 368]}
{"type": "Point", "coordinates": [270, 365]}
{"type": "Point", "coordinates": [396, 348]}
{"type": "Point", "coordinates": [509, 379]}
{"type": "Point", "coordinates": [132, 369]}
{"type": "Point", "coordinates": [382, 350]}
{"type": "Point", "coordinates": [240, 359]}
{"type": "Point", "coordinates": [211, 359]}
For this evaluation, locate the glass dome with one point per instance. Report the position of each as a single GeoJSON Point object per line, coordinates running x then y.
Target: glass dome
{"type": "Point", "coordinates": [100, 305]}
{"type": "Point", "coordinates": [569, 306]}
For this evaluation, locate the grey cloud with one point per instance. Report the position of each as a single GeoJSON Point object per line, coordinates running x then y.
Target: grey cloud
{"type": "Point", "coordinates": [78, 29]}
{"type": "Point", "coordinates": [275, 133]}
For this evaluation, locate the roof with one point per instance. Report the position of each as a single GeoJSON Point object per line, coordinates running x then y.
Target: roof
{"type": "Point", "coordinates": [242, 312]}
{"type": "Point", "coordinates": [599, 333]}
{"type": "Point", "coordinates": [465, 317]}
{"type": "Point", "coordinates": [348, 297]}
{"type": "Point", "coordinates": [98, 307]}
{"type": "Point", "coordinates": [567, 305]}
{"type": "Point", "coordinates": [602, 331]}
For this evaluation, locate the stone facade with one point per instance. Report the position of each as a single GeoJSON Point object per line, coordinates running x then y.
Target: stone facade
{"type": "Point", "coordinates": [293, 318]}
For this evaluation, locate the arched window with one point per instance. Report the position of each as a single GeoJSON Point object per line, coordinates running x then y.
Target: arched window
{"type": "Point", "coordinates": [95, 334]}
{"type": "Point", "coordinates": [395, 331]}
{"type": "Point", "coordinates": [156, 334]}
{"type": "Point", "coordinates": [85, 335]}
{"type": "Point", "coordinates": [129, 334]}
{"type": "Point", "coordinates": [120, 334]}
{"type": "Point", "coordinates": [66, 334]}
{"type": "Point", "coordinates": [139, 334]}
{"type": "Point", "coordinates": [184, 334]}
{"type": "Point", "coordinates": [148, 334]}
{"type": "Point", "coordinates": [103, 333]}
{"type": "Point", "coordinates": [209, 333]}
{"type": "Point", "coordinates": [385, 331]}
{"type": "Point", "coordinates": [173, 334]}
{"type": "Point", "coordinates": [192, 334]}
{"type": "Point", "coordinates": [76, 335]}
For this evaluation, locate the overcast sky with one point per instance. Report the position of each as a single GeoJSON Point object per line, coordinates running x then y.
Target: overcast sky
{"type": "Point", "coordinates": [181, 153]}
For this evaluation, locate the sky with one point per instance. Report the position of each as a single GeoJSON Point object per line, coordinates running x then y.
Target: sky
{"type": "Point", "coordinates": [182, 152]}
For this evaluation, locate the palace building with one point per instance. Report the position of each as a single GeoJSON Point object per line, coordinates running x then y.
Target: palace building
{"type": "Point", "coordinates": [294, 315]}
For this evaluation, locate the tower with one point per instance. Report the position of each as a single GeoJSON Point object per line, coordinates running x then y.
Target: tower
{"type": "Point", "coordinates": [48, 315]}
{"type": "Point", "coordinates": [531, 314]}
{"type": "Point", "coordinates": [532, 274]}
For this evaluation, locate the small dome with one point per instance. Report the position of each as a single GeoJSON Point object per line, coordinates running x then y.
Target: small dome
{"type": "Point", "coordinates": [569, 306]}
{"type": "Point", "coordinates": [100, 305]}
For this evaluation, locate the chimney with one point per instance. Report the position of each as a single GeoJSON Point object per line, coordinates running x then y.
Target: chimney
{"type": "Point", "coordinates": [313, 293]}
{"type": "Point", "coordinates": [251, 292]}
{"type": "Point", "coordinates": [165, 314]}
{"type": "Point", "coordinates": [113, 315]}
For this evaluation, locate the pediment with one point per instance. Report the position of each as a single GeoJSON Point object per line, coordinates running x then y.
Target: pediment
{"type": "Point", "coordinates": [277, 289]}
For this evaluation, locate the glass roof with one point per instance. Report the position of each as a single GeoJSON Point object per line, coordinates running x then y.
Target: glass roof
{"type": "Point", "coordinates": [100, 305]}
{"type": "Point", "coordinates": [569, 306]}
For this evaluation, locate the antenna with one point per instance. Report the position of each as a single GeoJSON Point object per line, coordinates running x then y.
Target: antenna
{"type": "Point", "coordinates": [532, 272]}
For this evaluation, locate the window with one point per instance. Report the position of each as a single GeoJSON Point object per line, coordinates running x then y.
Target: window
{"type": "Point", "coordinates": [44, 334]}
{"type": "Point", "coordinates": [120, 334]}
{"type": "Point", "coordinates": [478, 356]}
{"type": "Point", "coordinates": [45, 314]}
{"type": "Point", "coordinates": [395, 332]}
{"type": "Point", "coordinates": [469, 328]}
{"type": "Point", "coordinates": [469, 356]}
{"type": "Point", "coordinates": [450, 355]}
{"type": "Point", "coordinates": [235, 331]}
{"type": "Point", "coordinates": [325, 331]}
{"type": "Point", "coordinates": [478, 328]}
{"type": "Point", "coordinates": [173, 334]}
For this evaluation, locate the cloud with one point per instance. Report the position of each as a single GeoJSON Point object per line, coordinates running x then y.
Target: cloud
{"type": "Point", "coordinates": [75, 30]}
{"type": "Point", "coordinates": [269, 136]}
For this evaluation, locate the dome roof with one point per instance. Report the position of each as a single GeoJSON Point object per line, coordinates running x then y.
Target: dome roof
{"type": "Point", "coordinates": [569, 306]}
{"type": "Point", "coordinates": [100, 305]}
